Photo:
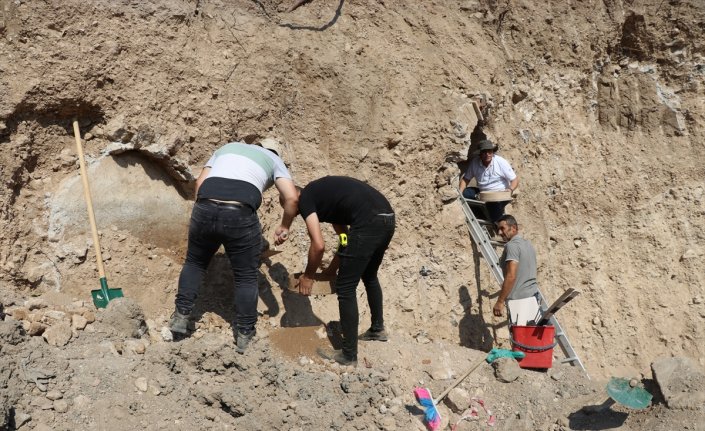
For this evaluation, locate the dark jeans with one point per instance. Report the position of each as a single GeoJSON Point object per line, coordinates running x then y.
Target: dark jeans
{"type": "Point", "coordinates": [361, 260]}
{"type": "Point", "coordinates": [239, 231]}
{"type": "Point", "coordinates": [494, 209]}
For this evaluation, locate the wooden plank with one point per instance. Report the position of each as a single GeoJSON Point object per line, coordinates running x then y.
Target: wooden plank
{"type": "Point", "coordinates": [322, 284]}
{"type": "Point", "coordinates": [478, 112]}
{"type": "Point", "coordinates": [567, 296]}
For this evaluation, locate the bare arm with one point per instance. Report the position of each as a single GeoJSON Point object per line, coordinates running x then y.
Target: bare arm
{"type": "Point", "coordinates": [289, 198]}
{"type": "Point", "coordinates": [510, 278]}
{"type": "Point", "coordinates": [201, 178]}
{"type": "Point", "coordinates": [513, 184]}
{"type": "Point", "coordinates": [315, 254]}
{"type": "Point", "coordinates": [463, 183]}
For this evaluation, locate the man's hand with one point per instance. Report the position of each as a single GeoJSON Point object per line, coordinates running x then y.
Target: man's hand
{"type": "Point", "coordinates": [280, 235]}
{"type": "Point", "coordinates": [305, 285]}
{"type": "Point", "coordinates": [498, 308]}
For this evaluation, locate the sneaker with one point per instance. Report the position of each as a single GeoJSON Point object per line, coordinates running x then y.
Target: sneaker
{"type": "Point", "coordinates": [179, 322]}
{"type": "Point", "coordinates": [243, 339]}
{"type": "Point", "coordinates": [337, 356]}
{"type": "Point", "coordinates": [371, 335]}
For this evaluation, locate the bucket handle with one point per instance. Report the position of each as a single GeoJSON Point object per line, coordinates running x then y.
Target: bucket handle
{"type": "Point", "coordinates": [532, 348]}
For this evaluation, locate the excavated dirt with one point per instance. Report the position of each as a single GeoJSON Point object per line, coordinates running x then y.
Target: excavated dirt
{"type": "Point", "coordinates": [599, 106]}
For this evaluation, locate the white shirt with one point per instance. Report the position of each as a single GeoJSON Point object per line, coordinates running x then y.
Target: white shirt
{"type": "Point", "coordinates": [250, 163]}
{"type": "Point", "coordinates": [496, 176]}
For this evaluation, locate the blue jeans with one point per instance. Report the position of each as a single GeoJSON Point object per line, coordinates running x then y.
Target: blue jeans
{"type": "Point", "coordinates": [239, 231]}
{"type": "Point", "coordinates": [495, 209]}
{"type": "Point", "coordinates": [361, 259]}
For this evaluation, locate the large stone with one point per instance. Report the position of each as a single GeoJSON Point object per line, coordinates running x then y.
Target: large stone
{"type": "Point", "coordinates": [681, 382]}
{"type": "Point", "coordinates": [458, 399]}
{"type": "Point", "coordinates": [58, 335]}
{"type": "Point", "coordinates": [78, 322]}
{"type": "Point", "coordinates": [506, 369]}
{"type": "Point", "coordinates": [147, 203]}
{"type": "Point", "coordinates": [11, 332]}
{"type": "Point", "coordinates": [124, 317]}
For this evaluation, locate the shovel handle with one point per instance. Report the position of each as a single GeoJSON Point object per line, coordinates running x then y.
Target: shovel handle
{"type": "Point", "coordinates": [89, 201]}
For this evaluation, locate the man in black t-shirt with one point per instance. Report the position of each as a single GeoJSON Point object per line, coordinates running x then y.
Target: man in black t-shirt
{"type": "Point", "coordinates": [366, 217]}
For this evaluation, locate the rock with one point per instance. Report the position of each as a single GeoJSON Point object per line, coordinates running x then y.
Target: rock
{"type": "Point", "coordinates": [61, 406]}
{"type": "Point", "coordinates": [116, 131]}
{"type": "Point", "coordinates": [124, 317]}
{"type": "Point", "coordinates": [35, 328]}
{"type": "Point", "coordinates": [89, 315]}
{"type": "Point", "coordinates": [11, 332]}
{"type": "Point", "coordinates": [135, 346]}
{"type": "Point", "coordinates": [18, 313]}
{"type": "Point", "coordinates": [58, 335]}
{"type": "Point", "coordinates": [78, 322]}
{"type": "Point", "coordinates": [448, 194]}
{"type": "Point", "coordinates": [42, 403]}
{"type": "Point", "coordinates": [166, 334]}
{"type": "Point", "coordinates": [681, 382]}
{"type": "Point", "coordinates": [21, 418]}
{"type": "Point", "coordinates": [471, 6]}
{"type": "Point", "coordinates": [35, 303]}
{"type": "Point", "coordinates": [55, 315]}
{"type": "Point", "coordinates": [458, 399]}
{"type": "Point", "coordinates": [141, 384]}
{"type": "Point", "coordinates": [506, 370]}
{"type": "Point", "coordinates": [54, 395]}
{"type": "Point", "coordinates": [689, 254]}
{"type": "Point", "coordinates": [441, 373]}
{"type": "Point", "coordinates": [42, 427]}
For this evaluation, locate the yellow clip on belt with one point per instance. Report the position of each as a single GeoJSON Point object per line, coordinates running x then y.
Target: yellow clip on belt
{"type": "Point", "coordinates": [343, 240]}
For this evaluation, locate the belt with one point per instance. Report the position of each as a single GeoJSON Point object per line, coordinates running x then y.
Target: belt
{"type": "Point", "coordinates": [223, 204]}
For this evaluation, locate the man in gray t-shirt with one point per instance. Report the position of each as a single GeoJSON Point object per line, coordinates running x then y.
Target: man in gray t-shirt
{"type": "Point", "coordinates": [518, 263]}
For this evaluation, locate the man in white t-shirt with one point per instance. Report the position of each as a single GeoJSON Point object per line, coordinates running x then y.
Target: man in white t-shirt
{"type": "Point", "coordinates": [228, 194]}
{"type": "Point", "coordinates": [492, 173]}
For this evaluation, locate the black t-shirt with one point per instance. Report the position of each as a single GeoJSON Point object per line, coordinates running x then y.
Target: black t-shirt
{"type": "Point", "coordinates": [342, 200]}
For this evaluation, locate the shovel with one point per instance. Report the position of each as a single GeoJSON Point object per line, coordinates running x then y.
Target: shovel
{"type": "Point", "coordinates": [102, 296]}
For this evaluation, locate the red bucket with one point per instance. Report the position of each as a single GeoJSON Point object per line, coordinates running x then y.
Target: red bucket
{"type": "Point", "coordinates": [537, 342]}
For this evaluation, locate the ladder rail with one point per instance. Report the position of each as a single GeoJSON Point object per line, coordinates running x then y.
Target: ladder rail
{"type": "Point", "coordinates": [486, 245]}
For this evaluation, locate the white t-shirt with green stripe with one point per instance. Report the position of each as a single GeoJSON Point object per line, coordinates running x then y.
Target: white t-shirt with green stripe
{"type": "Point", "coordinates": [249, 163]}
{"type": "Point", "coordinates": [241, 172]}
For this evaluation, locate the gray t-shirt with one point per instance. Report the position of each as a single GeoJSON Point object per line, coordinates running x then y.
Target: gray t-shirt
{"type": "Point", "coordinates": [521, 251]}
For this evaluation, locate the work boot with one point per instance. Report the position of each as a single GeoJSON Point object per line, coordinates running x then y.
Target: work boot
{"type": "Point", "coordinates": [179, 322]}
{"type": "Point", "coordinates": [372, 335]}
{"type": "Point", "coordinates": [243, 339]}
{"type": "Point", "coordinates": [337, 356]}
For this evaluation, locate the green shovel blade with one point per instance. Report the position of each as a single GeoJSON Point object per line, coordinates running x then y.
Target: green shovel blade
{"type": "Point", "coordinates": [633, 397]}
{"type": "Point", "coordinates": [103, 296]}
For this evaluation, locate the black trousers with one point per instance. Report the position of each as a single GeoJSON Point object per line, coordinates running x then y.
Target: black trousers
{"type": "Point", "coordinates": [239, 231]}
{"type": "Point", "coordinates": [360, 260]}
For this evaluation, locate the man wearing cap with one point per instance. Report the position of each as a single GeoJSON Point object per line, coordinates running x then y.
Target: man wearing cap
{"type": "Point", "coordinates": [366, 217]}
{"type": "Point", "coordinates": [228, 194]}
{"type": "Point", "coordinates": [492, 173]}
